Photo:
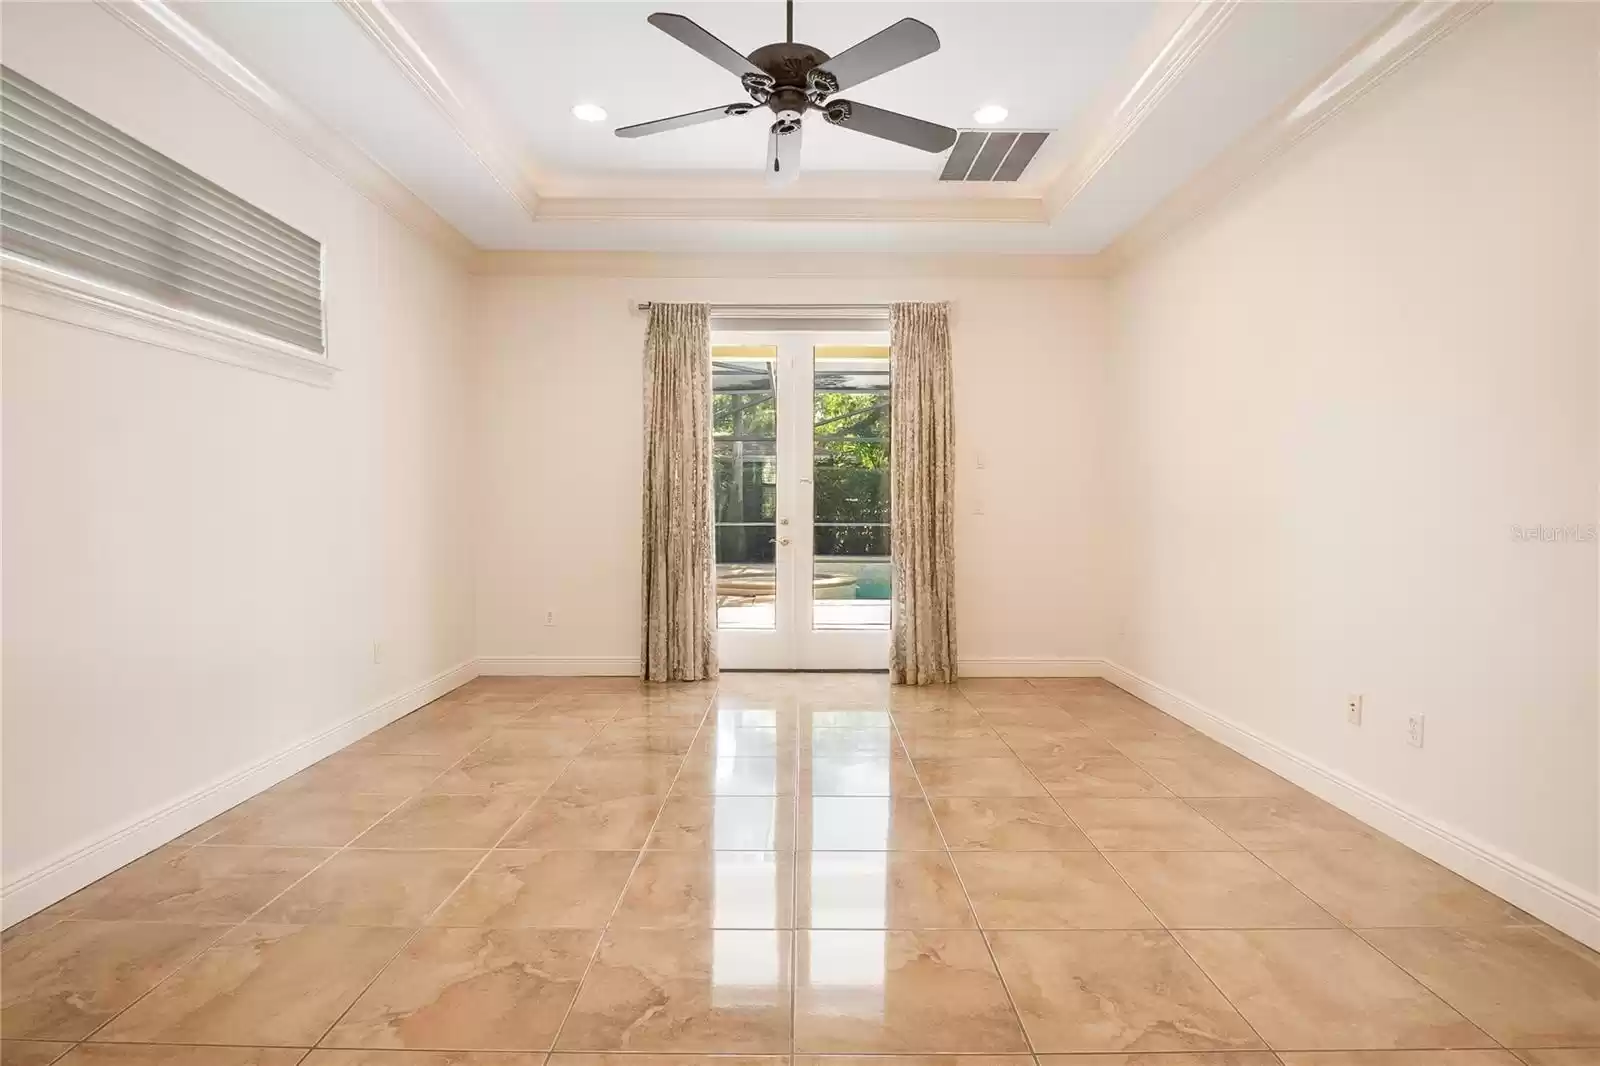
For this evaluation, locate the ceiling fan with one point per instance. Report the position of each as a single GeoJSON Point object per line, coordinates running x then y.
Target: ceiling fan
{"type": "Point", "coordinates": [792, 79]}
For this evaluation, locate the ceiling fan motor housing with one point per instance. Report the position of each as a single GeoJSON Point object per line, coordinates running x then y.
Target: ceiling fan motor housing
{"type": "Point", "coordinates": [795, 84]}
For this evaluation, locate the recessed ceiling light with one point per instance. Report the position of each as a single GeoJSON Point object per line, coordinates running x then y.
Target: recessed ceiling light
{"type": "Point", "coordinates": [595, 113]}
{"type": "Point", "coordinates": [988, 116]}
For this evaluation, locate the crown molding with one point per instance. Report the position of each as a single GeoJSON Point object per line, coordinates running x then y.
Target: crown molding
{"type": "Point", "coordinates": [809, 265]}
{"type": "Point", "coordinates": [1121, 111]}
{"type": "Point", "coordinates": [1417, 26]}
{"type": "Point", "coordinates": [469, 118]}
{"type": "Point", "coordinates": [173, 34]}
{"type": "Point", "coordinates": [785, 209]}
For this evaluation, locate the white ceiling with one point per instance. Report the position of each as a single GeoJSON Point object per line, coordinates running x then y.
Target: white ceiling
{"type": "Point", "coordinates": [475, 115]}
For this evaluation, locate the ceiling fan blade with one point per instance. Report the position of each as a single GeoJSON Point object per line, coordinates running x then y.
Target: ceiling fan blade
{"type": "Point", "coordinates": [783, 156]}
{"type": "Point", "coordinates": [889, 125]}
{"type": "Point", "coordinates": [693, 118]}
{"type": "Point", "coordinates": [884, 51]}
{"type": "Point", "coordinates": [703, 41]}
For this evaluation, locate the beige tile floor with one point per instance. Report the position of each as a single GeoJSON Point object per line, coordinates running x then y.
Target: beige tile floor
{"type": "Point", "coordinates": [777, 869]}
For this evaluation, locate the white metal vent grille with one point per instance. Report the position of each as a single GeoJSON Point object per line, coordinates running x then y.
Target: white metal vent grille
{"type": "Point", "coordinates": [81, 196]}
{"type": "Point", "coordinates": [992, 155]}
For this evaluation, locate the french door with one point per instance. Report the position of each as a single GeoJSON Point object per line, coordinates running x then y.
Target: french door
{"type": "Point", "coordinates": [800, 488]}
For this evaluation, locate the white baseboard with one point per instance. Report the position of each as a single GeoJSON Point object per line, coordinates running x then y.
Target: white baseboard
{"type": "Point", "coordinates": [1566, 906]}
{"type": "Point", "coordinates": [57, 878]}
{"type": "Point", "coordinates": [1014, 666]}
{"type": "Point", "coordinates": [553, 666]}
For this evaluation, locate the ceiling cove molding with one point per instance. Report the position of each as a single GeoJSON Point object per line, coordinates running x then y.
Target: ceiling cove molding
{"type": "Point", "coordinates": [467, 117]}
{"type": "Point", "coordinates": [809, 265]}
{"type": "Point", "coordinates": [169, 31]}
{"type": "Point", "coordinates": [1119, 116]}
{"type": "Point", "coordinates": [1415, 27]}
{"type": "Point", "coordinates": [751, 209]}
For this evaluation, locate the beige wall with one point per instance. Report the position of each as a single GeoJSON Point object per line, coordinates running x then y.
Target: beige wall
{"type": "Point", "coordinates": [560, 374]}
{"type": "Point", "coordinates": [1337, 395]}
{"type": "Point", "coordinates": [198, 558]}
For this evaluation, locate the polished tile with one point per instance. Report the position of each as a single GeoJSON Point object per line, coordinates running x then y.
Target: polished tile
{"type": "Point", "coordinates": [911, 1060]}
{"type": "Point", "coordinates": [1086, 991]}
{"type": "Point", "coordinates": [447, 821]}
{"type": "Point", "coordinates": [1399, 1058]}
{"type": "Point", "coordinates": [1216, 890]}
{"type": "Point", "coordinates": [721, 990]}
{"type": "Point", "coordinates": [626, 1058]}
{"type": "Point", "coordinates": [1202, 767]}
{"type": "Point", "coordinates": [1325, 990]}
{"type": "Point", "coordinates": [353, 771]}
{"type": "Point", "coordinates": [858, 775]}
{"type": "Point", "coordinates": [536, 741]}
{"type": "Point", "coordinates": [1384, 884]}
{"type": "Point", "coordinates": [867, 823]}
{"type": "Point", "coordinates": [1285, 824]}
{"type": "Point", "coordinates": [614, 823]}
{"type": "Point", "coordinates": [372, 888]}
{"type": "Point", "coordinates": [491, 989]}
{"type": "Point", "coordinates": [709, 890]}
{"type": "Point", "coordinates": [1165, 1058]}
{"type": "Point", "coordinates": [602, 777]}
{"type": "Point", "coordinates": [734, 776]}
{"type": "Point", "coordinates": [1104, 776]}
{"type": "Point", "coordinates": [266, 985]}
{"type": "Point", "coordinates": [900, 992]}
{"type": "Point", "coordinates": [727, 823]}
{"type": "Point", "coordinates": [180, 1055]}
{"type": "Point", "coordinates": [830, 870]}
{"type": "Point", "coordinates": [1145, 825]}
{"type": "Point", "coordinates": [221, 884]}
{"type": "Point", "coordinates": [307, 819]}
{"type": "Point", "coordinates": [1522, 988]}
{"type": "Point", "coordinates": [540, 889]}
{"type": "Point", "coordinates": [879, 890]}
{"type": "Point", "coordinates": [1003, 823]}
{"type": "Point", "coordinates": [63, 982]}
{"type": "Point", "coordinates": [34, 1052]}
{"type": "Point", "coordinates": [500, 770]}
{"type": "Point", "coordinates": [977, 776]}
{"type": "Point", "coordinates": [1049, 890]}
{"type": "Point", "coordinates": [640, 738]}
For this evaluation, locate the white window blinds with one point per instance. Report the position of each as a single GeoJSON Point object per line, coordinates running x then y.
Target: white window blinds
{"type": "Point", "coordinates": [83, 197]}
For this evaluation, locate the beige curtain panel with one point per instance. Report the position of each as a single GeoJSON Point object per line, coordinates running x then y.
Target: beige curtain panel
{"type": "Point", "coordinates": [679, 640]}
{"type": "Point", "coordinates": [922, 481]}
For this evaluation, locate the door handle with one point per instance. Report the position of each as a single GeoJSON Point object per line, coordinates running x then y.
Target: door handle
{"type": "Point", "coordinates": [783, 540]}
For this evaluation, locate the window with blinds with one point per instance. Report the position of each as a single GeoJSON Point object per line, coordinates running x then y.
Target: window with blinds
{"type": "Point", "coordinates": [82, 197]}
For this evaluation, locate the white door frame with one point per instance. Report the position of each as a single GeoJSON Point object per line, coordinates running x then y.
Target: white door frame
{"type": "Point", "coordinates": [795, 643]}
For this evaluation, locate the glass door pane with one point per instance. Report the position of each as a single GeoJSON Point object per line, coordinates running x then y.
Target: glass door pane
{"type": "Point", "coordinates": [744, 470]}
{"type": "Point", "coordinates": [850, 486]}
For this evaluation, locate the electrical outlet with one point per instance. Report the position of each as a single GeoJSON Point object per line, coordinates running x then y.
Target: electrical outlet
{"type": "Point", "coordinates": [549, 618]}
{"type": "Point", "coordinates": [1352, 709]}
{"type": "Point", "coordinates": [1414, 726]}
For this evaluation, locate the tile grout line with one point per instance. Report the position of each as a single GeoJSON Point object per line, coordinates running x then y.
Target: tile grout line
{"type": "Point", "coordinates": [983, 934]}
{"type": "Point", "coordinates": [511, 825]}
{"type": "Point", "coordinates": [230, 928]}
{"type": "Point", "coordinates": [1245, 849]}
{"type": "Point", "coordinates": [638, 860]}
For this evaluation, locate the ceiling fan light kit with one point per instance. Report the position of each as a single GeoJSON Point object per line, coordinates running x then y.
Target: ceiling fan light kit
{"type": "Point", "coordinates": [791, 79]}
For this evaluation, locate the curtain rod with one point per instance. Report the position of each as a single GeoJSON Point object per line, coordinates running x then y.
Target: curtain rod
{"type": "Point", "coordinates": [794, 310]}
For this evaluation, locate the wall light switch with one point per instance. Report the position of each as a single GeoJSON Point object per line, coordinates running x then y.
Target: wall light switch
{"type": "Point", "coordinates": [1352, 709]}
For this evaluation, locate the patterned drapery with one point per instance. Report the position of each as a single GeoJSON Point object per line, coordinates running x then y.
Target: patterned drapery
{"type": "Point", "coordinates": [922, 480]}
{"type": "Point", "coordinates": [679, 639]}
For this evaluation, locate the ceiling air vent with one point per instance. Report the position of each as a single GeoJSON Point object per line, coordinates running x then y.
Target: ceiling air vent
{"type": "Point", "coordinates": [992, 155]}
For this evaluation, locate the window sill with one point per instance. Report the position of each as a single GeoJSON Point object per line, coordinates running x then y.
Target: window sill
{"type": "Point", "coordinates": [32, 289]}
